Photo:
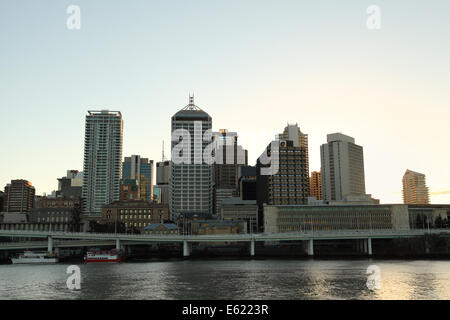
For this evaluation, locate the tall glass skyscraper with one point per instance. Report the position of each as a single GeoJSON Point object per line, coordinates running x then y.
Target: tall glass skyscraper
{"type": "Point", "coordinates": [191, 184]}
{"type": "Point", "coordinates": [102, 160]}
{"type": "Point", "coordinates": [141, 170]}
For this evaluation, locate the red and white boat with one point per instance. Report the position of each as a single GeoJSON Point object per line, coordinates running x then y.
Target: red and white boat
{"type": "Point", "coordinates": [96, 255]}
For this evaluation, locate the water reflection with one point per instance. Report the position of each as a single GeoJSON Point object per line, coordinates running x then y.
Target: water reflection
{"type": "Point", "coordinates": [230, 279]}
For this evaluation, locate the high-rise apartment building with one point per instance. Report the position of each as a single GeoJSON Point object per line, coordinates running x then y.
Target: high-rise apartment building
{"type": "Point", "coordinates": [315, 185]}
{"type": "Point", "coordinates": [102, 160]}
{"type": "Point", "coordinates": [342, 167]}
{"type": "Point", "coordinates": [415, 190]}
{"type": "Point", "coordinates": [290, 183]}
{"type": "Point", "coordinates": [228, 157]}
{"type": "Point", "coordinates": [19, 196]}
{"type": "Point", "coordinates": [292, 132]}
{"type": "Point", "coordinates": [191, 178]}
{"type": "Point", "coordinates": [140, 170]}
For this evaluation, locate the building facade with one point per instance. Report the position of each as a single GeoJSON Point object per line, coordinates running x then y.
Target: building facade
{"type": "Point", "coordinates": [247, 182]}
{"type": "Point", "coordinates": [135, 214]}
{"type": "Point", "coordinates": [71, 185]}
{"type": "Point", "coordinates": [228, 157]}
{"type": "Point", "coordinates": [342, 217]}
{"type": "Point", "coordinates": [415, 190]}
{"type": "Point", "coordinates": [292, 132]}
{"type": "Point", "coordinates": [102, 160]}
{"type": "Point", "coordinates": [19, 196]}
{"type": "Point", "coordinates": [315, 185]}
{"type": "Point", "coordinates": [140, 170]}
{"type": "Point", "coordinates": [342, 167]}
{"type": "Point", "coordinates": [162, 181]}
{"type": "Point", "coordinates": [237, 209]}
{"type": "Point", "coordinates": [191, 178]}
{"type": "Point", "coordinates": [290, 184]}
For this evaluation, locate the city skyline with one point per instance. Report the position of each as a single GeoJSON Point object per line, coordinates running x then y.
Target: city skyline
{"type": "Point", "coordinates": [388, 88]}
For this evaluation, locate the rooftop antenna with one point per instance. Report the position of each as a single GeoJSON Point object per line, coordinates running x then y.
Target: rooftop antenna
{"type": "Point", "coordinates": [163, 157]}
{"type": "Point", "coordinates": [191, 105]}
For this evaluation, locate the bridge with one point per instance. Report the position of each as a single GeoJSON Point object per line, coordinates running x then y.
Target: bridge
{"type": "Point", "coordinates": [80, 239]}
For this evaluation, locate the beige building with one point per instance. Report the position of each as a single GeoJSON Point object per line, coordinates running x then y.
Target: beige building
{"type": "Point", "coordinates": [288, 218]}
{"type": "Point", "coordinates": [415, 190]}
{"type": "Point", "coordinates": [135, 213]}
{"type": "Point", "coordinates": [315, 185]}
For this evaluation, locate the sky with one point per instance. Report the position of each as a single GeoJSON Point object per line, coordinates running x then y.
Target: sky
{"type": "Point", "coordinates": [253, 65]}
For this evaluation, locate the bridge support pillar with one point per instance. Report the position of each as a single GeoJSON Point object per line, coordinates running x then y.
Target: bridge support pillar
{"type": "Point", "coordinates": [252, 247]}
{"type": "Point", "coordinates": [117, 244]}
{"type": "Point", "coordinates": [186, 249]}
{"type": "Point", "coordinates": [310, 247]}
{"type": "Point", "coordinates": [50, 244]}
{"type": "Point", "coordinates": [369, 246]}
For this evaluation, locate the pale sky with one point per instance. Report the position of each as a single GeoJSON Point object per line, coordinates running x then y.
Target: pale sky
{"type": "Point", "coordinates": [254, 66]}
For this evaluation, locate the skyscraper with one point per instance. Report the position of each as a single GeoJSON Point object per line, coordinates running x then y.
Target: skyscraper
{"type": "Point", "coordinates": [19, 196]}
{"type": "Point", "coordinates": [141, 170]}
{"type": "Point", "coordinates": [315, 185]}
{"type": "Point", "coordinates": [102, 160]}
{"type": "Point", "coordinates": [191, 179]}
{"type": "Point", "coordinates": [228, 157]}
{"type": "Point", "coordinates": [290, 184]}
{"type": "Point", "coordinates": [342, 167]}
{"type": "Point", "coordinates": [415, 190]}
{"type": "Point", "coordinates": [292, 132]}
{"type": "Point", "coordinates": [162, 181]}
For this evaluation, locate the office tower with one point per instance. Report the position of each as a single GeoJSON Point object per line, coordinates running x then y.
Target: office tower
{"type": "Point", "coordinates": [228, 157]}
{"type": "Point", "coordinates": [191, 179]}
{"type": "Point", "coordinates": [292, 132]}
{"type": "Point", "coordinates": [102, 160]}
{"type": "Point", "coordinates": [140, 170]}
{"type": "Point", "coordinates": [19, 196]}
{"type": "Point", "coordinates": [71, 185]}
{"type": "Point", "coordinates": [342, 168]}
{"type": "Point", "coordinates": [315, 185]}
{"type": "Point", "coordinates": [415, 190]}
{"type": "Point", "coordinates": [290, 184]}
{"type": "Point", "coordinates": [162, 181]}
{"type": "Point", "coordinates": [2, 195]}
{"type": "Point", "coordinates": [247, 182]}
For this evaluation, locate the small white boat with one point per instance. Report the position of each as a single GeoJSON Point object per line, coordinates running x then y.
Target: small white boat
{"type": "Point", "coordinates": [29, 257]}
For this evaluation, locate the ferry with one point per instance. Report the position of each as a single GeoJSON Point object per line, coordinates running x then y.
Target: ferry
{"type": "Point", "coordinates": [29, 257]}
{"type": "Point", "coordinates": [97, 255]}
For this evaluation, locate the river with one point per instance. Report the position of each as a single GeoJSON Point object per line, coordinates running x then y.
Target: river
{"type": "Point", "coordinates": [231, 279]}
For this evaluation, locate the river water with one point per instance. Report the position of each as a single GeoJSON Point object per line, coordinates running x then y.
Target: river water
{"type": "Point", "coordinates": [231, 279]}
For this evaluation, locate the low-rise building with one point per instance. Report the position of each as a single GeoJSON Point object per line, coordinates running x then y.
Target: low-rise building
{"type": "Point", "coordinates": [298, 218]}
{"type": "Point", "coordinates": [135, 214]}
{"type": "Point", "coordinates": [238, 209]}
{"type": "Point", "coordinates": [57, 218]}
{"type": "Point", "coordinates": [162, 228]}
{"type": "Point", "coordinates": [211, 227]}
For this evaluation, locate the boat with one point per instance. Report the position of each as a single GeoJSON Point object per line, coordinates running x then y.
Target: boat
{"type": "Point", "coordinates": [97, 255]}
{"type": "Point", "coordinates": [29, 257]}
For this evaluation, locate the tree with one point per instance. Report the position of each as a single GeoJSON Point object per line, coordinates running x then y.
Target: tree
{"type": "Point", "coordinates": [438, 222]}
